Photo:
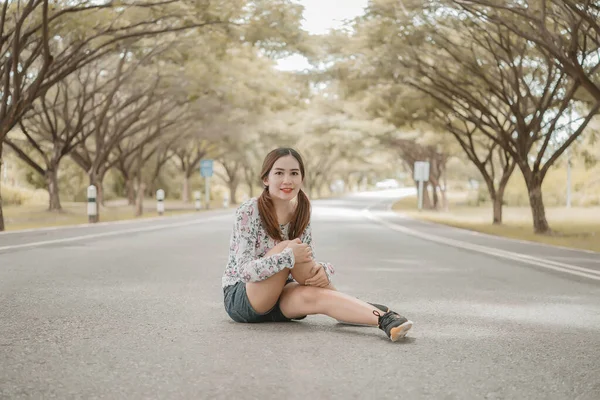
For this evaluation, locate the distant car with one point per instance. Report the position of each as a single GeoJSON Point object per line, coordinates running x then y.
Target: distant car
{"type": "Point", "coordinates": [387, 184]}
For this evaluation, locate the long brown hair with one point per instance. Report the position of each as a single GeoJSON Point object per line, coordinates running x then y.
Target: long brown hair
{"type": "Point", "coordinates": [266, 207]}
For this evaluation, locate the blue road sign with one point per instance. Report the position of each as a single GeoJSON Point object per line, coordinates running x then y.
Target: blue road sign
{"type": "Point", "coordinates": [206, 168]}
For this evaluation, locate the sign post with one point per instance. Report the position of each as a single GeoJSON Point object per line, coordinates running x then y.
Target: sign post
{"type": "Point", "coordinates": [421, 174]}
{"type": "Point", "coordinates": [206, 170]}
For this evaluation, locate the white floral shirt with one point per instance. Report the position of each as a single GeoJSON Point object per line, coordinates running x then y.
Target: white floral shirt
{"type": "Point", "coordinates": [249, 244]}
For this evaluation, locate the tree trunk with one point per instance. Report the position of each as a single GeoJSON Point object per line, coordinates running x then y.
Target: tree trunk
{"type": "Point", "coordinates": [497, 203]}
{"type": "Point", "coordinates": [426, 199]}
{"type": "Point", "coordinates": [139, 202]}
{"type": "Point", "coordinates": [233, 185]}
{"type": "Point", "coordinates": [1, 213]}
{"type": "Point", "coordinates": [498, 195]}
{"type": "Point", "coordinates": [436, 203]}
{"type": "Point", "coordinates": [538, 211]}
{"type": "Point", "coordinates": [185, 193]}
{"type": "Point", "coordinates": [130, 192]}
{"type": "Point", "coordinates": [249, 182]}
{"type": "Point", "coordinates": [52, 186]}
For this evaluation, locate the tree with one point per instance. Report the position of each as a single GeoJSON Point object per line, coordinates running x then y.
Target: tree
{"type": "Point", "coordinates": [41, 44]}
{"type": "Point", "coordinates": [493, 163]}
{"type": "Point", "coordinates": [485, 75]}
{"type": "Point", "coordinates": [565, 31]}
{"type": "Point", "coordinates": [58, 122]}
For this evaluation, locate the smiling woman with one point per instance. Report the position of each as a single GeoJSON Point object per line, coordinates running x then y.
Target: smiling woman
{"type": "Point", "coordinates": [272, 275]}
{"type": "Point", "coordinates": [282, 201]}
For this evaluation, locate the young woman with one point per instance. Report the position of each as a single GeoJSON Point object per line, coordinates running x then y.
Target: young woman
{"type": "Point", "coordinates": [271, 275]}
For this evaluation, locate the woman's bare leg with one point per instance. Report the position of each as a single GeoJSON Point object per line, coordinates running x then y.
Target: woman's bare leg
{"type": "Point", "coordinates": [297, 300]}
{"type": "Point", "coordinates": [263, 295]}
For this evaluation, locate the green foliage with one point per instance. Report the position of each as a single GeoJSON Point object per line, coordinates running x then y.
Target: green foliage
{"type": "Point", "coordinates": [35, 179]}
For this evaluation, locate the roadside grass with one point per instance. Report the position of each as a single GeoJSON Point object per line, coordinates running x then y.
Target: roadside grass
{"type": "Point", "coordinates": [577, 227]}
{"type": "Point", "coordinates": [33, 216]}
{"type": "Point", "coordinates": [34, 212]}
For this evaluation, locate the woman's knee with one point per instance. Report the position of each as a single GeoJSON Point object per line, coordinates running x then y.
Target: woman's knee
{"type": "Point", "coordinates": [305, 297]}
{"type": "Point", "coordinates": [302, 271]}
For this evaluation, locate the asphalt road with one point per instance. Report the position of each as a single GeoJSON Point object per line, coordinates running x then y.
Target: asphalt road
{"type": "Point", "coordinates": [135, 311]}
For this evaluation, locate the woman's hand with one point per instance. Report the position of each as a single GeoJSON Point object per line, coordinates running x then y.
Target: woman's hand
{"type": "Point", "coordinates": [302, 251]}
{"type": "Point", "coordinates": [319, 279]}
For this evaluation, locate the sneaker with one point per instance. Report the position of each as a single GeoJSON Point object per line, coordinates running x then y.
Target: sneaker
{"type": "Point", "coordinates": [393, 324]}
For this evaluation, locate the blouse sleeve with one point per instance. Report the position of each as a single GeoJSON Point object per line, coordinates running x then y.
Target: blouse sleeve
{"type": "Point", "coordinates": [307, 238]}
{"type": "Point", "coordinates": [243, 248]}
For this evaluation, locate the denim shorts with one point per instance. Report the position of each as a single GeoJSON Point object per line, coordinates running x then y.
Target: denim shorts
{"type": "Point", "coordinates": [239, 308]}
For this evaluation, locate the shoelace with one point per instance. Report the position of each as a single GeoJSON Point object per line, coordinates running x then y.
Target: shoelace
{"type": "Point", "coordinates": [385, 318]}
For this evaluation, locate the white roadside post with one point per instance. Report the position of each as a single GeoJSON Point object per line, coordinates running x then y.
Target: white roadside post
{"type": "Point", "coordinates": [421, 174]}
{"type": "Point", "coordinates": [206, 170]}
{"type": "Point", "coordinates": [197, 196]}
{"type": "Point", "coordinates": [92, 205]}
{"type": "Point", "coordinates": [160, 201]}
{"type": "Point", "coordinates": [226, 200]}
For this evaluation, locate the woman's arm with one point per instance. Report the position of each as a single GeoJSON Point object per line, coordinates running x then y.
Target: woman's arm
{"type": "Point", "coordinates": [250, 267]}
{"type": "Point", "coordinates": [278, 248]}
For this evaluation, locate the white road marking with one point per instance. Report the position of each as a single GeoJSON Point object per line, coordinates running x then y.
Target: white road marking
{"type": "Point", "coordinates": [89, 225]}
{"type": "Point", "coordinates": [587, 260]}
{"type": "Point", "coordinates": [557, 266]}
{"type": "Point", "coordinates": [108, 234]}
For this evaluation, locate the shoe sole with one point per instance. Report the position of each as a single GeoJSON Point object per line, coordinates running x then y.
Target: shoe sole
{"type": "Point", "coordinates": [399, 332]}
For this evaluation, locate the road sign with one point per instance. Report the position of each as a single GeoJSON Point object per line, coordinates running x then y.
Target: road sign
{"type": "Point", "coordinates": [421, 172]}
{"type": "Point", "coordinates": [206, 168]}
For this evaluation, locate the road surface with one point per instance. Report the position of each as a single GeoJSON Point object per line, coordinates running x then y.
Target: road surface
{"type": "Point", "coordinates": [135, 311]}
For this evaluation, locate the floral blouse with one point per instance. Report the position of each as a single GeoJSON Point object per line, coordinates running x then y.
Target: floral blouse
{"type": "Point", "coordinates": [249, 244]}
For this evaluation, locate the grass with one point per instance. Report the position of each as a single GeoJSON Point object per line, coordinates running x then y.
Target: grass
{"type": "Point", "coordinates": [36, 215]}
{"type": "Point", "coordinates": [577, 227]}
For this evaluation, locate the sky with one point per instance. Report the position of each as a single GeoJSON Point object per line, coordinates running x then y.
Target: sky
{"type": "Point", "coordinates": [319, 17]}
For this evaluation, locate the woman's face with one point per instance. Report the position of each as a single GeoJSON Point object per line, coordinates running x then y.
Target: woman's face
{"type": "Point", "coordinates": [284, 180]}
